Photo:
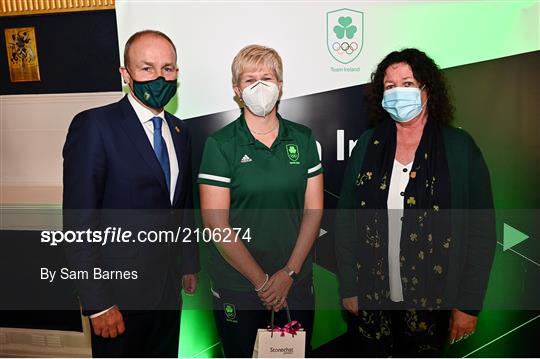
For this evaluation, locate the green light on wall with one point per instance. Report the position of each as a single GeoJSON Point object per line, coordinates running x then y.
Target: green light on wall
{"type": "Point", "coordinates": [198, 334]}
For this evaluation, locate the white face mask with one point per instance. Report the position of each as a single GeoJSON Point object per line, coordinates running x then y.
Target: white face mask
{"type": "Point", "coordinates": [261, 97]}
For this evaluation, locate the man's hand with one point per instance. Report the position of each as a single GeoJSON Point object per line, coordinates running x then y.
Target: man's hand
{"type": "Point", "coordinates": [275, 292]}
{"type": "Point", "coordinates": [189, 283]}
{"type": "Point", "coordinates": [351, 305]}
{"type": "Point", "coordinates": [462, 325]}
{"type": "Point", "coordinates": [109, 324]}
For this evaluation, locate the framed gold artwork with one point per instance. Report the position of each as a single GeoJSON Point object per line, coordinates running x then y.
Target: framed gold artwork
{"type": "Point", "coordinates": [22, 54]}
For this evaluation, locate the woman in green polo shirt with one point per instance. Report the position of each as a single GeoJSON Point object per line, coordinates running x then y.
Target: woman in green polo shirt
{"type": "Point", "coordinates": [416, 232]}
{"type": "Point", "coordinates": [263, 175]}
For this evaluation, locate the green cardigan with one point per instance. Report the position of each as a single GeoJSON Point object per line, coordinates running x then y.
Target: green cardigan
{"type": "Point", "coordinates": [473, 232]}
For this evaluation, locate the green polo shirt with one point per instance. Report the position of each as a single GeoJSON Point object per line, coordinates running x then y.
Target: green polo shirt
{"type": "Point", "coordinates": [267, 190]}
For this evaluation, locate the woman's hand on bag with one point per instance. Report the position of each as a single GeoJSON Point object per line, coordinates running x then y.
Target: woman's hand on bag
{"type": "Point", "coordinates": [351, 305]}
{"type": "Point", "coordinates": [276, 290]}
{"type": "Point", "coordinates": [278, 307]}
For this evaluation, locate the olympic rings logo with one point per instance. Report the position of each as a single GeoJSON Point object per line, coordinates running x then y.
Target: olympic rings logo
{"type": "Point", "coordinates": [345, 47]}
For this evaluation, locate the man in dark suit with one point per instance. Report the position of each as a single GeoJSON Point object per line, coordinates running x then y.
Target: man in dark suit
{"type": "Point", "coordinates": [128, 165]}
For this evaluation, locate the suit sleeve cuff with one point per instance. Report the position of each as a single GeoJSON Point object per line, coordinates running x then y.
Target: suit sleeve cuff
{"type": "Point", "coordinates": [95, 315]}
{"type": "Point", "coordinates": [348, 289]}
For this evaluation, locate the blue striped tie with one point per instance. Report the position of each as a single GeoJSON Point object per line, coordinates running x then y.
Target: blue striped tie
{"type": "Point", "coordinates": [160, 148]}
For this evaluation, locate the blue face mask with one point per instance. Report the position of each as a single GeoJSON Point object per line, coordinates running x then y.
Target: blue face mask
{"type": "Point", "coordinates": [402, 103]}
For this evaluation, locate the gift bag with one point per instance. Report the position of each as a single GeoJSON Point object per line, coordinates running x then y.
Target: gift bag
{"type": "Point", "coordinates": [276, 342]}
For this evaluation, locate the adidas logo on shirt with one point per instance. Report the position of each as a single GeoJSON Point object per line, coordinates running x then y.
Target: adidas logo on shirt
{"type": "Point", "coordinates": [245, 159]}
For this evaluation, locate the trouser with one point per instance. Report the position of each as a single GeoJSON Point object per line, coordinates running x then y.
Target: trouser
{"type": "Point", "coordinates": [239, 315]}
{"type": "Point", "coordinates": [148, 334]}
{"type": "Point", "coordinates": [398, 333]}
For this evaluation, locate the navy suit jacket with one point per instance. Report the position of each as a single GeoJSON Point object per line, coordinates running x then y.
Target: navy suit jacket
{"type": "Point", "coordinates": [112, 178]}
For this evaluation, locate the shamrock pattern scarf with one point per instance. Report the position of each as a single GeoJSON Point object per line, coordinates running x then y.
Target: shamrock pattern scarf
{"type": "Point", "coordinates": [426, 224]}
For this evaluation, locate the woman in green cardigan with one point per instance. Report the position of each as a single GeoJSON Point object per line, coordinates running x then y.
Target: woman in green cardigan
{"type": "Point", "coordinates": [416, 233]}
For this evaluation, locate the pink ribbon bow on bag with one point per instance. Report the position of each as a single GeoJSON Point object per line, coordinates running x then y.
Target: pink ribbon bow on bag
{"type": "Point", "coordinates": [291, 328]}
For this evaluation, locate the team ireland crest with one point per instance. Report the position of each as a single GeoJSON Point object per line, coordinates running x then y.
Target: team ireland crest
{"type": "Point", "coordinates": [230, 311]}
{"type": "Point", "coordinates": [292, 152]}
{"type": "Point", "coordinates": [345, 34]}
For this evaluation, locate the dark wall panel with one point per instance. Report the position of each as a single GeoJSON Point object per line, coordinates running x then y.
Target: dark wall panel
{"type": "Point", "coordinates": [77, 52]}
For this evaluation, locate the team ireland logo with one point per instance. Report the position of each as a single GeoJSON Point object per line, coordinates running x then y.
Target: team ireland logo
{"type": "Point", "coordinates": [345, 34]}
{"type": "Point", "coordinates": [230, 311]}
{"type": "Point", "coordinates": [292, 152]}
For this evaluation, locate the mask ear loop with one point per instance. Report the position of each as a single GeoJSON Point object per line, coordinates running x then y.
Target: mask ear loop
{"type": "Point", "coordinates": [131, 88]}
{"type": "Point", "coordinates": [131, 77]}
{"type": "Point", "coordinates": [427, 95]}
{"type": "Point", "coordinates": [240, 99]}
{"type": "Point", "coordinates": [129, 72]}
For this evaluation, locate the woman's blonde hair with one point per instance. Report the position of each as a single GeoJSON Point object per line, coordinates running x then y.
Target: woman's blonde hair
{"type": "Point", "coordinates": [253, 56]}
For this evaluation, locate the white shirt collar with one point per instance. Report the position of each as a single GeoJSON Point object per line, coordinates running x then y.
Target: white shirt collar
{"type": "Point", "coordinates": [142, 112]}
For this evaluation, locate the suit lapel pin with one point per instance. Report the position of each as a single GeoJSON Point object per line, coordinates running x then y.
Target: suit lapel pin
{"type": "Point", "coordinates": [177, 129]}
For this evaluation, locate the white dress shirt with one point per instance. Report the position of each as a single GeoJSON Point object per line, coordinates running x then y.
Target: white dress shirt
{"type": "Point", "coordinates": [395, 203]}
{"type": "Point", "coordinates": [145, 116]}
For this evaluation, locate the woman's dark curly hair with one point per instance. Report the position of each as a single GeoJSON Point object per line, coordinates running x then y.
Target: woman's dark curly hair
{"type": "Point", "coordinates": [426, 72]}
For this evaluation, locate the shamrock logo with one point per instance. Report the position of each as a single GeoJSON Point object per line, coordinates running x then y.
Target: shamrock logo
{"type": "Point", "coordinates": [345, 35]}
{"type": "Point", "coordinates": [345, 28]}
{"type": "Point", "coordinates": [230, 310]}
{"type": "Point", "coordinates": [292, 152]}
